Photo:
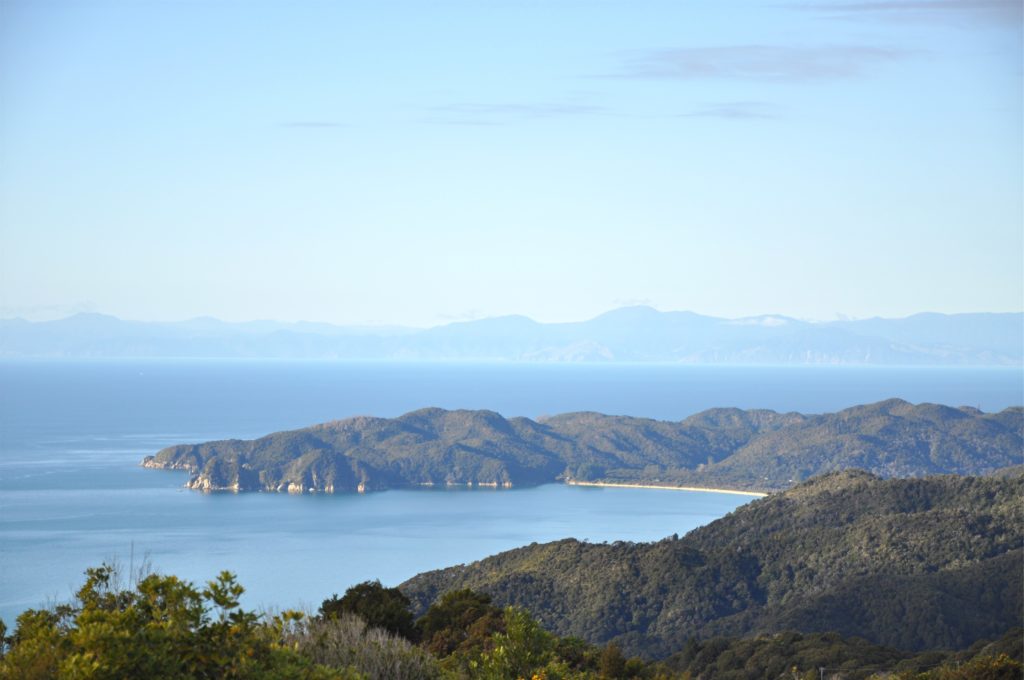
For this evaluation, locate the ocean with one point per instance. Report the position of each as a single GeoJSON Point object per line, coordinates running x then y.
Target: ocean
{"type": "Point", "coordinates": [73, 432]}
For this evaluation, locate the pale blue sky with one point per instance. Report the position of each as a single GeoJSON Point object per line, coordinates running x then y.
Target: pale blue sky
{"type": "Point", "coordinates": [418, 162]}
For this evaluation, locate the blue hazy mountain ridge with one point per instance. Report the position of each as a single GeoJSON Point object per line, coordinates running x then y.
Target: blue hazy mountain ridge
{"type": "Point", "coordinates": [629, 334]}
{"type": "Point", "coordinates": [727, 448]}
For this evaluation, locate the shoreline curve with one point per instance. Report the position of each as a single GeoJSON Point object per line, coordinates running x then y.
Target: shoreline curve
{"type": "Point", "coordinates": [623, 485]}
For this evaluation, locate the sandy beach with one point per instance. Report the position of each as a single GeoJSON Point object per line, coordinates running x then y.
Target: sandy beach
{"type": "Point", "coordinates": [672, 488]}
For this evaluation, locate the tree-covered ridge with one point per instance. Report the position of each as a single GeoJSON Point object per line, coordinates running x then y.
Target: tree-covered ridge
{"type": "Point", "coordinates": [164, 628]}
{"type": "Point", "coordinates": [729, 448]}
{"type": "Point", "coordinates": [812, 656]}
{"type": "Point", "coordinates": [912, 563]}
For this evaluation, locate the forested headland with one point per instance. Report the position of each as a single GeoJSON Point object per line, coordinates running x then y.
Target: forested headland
{"type": "Point", "coordinates": [754, 450]}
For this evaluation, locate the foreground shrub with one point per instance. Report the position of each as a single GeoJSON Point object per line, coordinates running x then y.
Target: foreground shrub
{"type": "Point", "coordinates": [162, 628]}
{"type": "Point", "coordinates": [346, 640]}
{"type": "Point", "coordinates": [380, 607]}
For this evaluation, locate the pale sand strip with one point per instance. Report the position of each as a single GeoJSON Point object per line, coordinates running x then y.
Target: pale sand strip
{"type": "Point", "coordinates": [672, 488]}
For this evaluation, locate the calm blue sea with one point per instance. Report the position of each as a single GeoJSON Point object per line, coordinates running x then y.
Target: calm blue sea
{"type": "Point", "coordinates": [72, 434]}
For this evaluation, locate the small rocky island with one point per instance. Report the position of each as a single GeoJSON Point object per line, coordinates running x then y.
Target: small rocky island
{"type": "Point", "coordinates": [753, 450]}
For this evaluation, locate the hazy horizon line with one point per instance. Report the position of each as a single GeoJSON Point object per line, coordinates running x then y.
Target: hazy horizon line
{"type": "Point", "coordinates": [485, 317]}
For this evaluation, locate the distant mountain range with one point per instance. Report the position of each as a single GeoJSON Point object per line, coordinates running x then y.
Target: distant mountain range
{"type": "Point", "coordinates": [751, 450]}
{"type": "Point", "coordinates": [629, 334]}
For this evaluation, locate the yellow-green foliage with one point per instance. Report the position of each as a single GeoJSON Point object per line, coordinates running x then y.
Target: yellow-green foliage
{"type": "Point", "coordinates": [163, 628]}
{"type": "Point", "coordinates": [1000, 667]}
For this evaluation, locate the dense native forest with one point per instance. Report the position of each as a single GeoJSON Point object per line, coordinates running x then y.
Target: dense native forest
{"type": "Point", "coordinates": [845, 576]}
{"type": "Point", "coordinates": [910, 563]}
{"type": "Point", "coordinates": [166, 628]}
{"type": "Point", "coordinates": [726, 448]}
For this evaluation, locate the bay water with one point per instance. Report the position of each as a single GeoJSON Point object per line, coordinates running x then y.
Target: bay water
{"type": "Point", "coordinates": [73, 432]}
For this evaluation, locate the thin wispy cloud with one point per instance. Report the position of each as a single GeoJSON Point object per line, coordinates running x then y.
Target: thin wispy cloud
{"type": "Point", "coordinates": [311, 124]}
{"type": "Point", "coordinates": [734, 111]}
{"type": "Point", "coordinates": [759, 62]}
{"type": "Point", "coordinates": [469, 122]}
{"type": "Point", "coordinates": [1009, 12]}
{"type": "Point", "coordinates": [501, 114]}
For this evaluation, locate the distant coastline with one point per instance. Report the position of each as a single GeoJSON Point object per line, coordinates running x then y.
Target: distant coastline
{"type": "Point", "coordinates": [623, 485]}
{"type": "Point", "coordinates": [624, 335]}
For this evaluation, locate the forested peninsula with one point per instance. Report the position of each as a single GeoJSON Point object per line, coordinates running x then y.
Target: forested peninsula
{"type": "Point", "coordinates": [752, 450]}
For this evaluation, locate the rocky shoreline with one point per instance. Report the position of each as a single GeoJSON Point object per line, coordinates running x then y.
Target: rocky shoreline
{"type": "Point", "coordinates": [247, 479]}
{"type": "Point", "coordinates": [725, 450]}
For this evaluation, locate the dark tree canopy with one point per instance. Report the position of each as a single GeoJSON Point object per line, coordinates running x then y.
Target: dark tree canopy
{"type": "Point", "coordinates": [380, 607]}
{"type": "Point", "coordinates": [459, 621]}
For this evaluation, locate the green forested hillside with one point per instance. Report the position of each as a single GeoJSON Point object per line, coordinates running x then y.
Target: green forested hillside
{"type": "Point", "coordinates": [890, 439]}
{"type": "Point", "coordinates": [164, 628]}
{"type": "Point", "coordinates": [913, 563]}
{"type": "Point", "coordinates": [752, 450]}
{"type": "Point", "coordinates": [830, 655]}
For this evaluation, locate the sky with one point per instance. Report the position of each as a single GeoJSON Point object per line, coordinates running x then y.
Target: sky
{"type": "Point", "coordinates": [420, 162]}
